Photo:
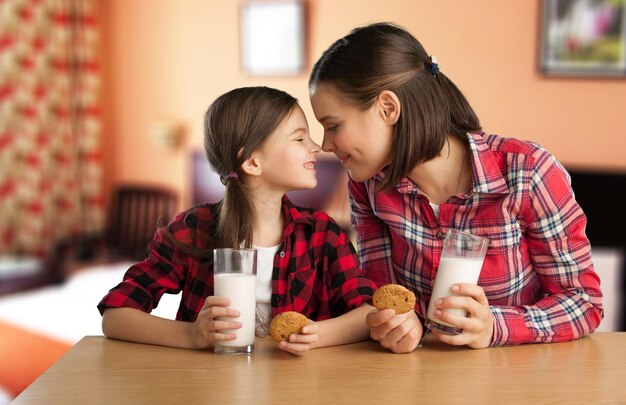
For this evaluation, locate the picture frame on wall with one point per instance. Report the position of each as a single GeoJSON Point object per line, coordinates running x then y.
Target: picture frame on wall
{"type": "Point", "coordinates": [273, 37]}
{"type": "Point", "coordinates": [583, 38]}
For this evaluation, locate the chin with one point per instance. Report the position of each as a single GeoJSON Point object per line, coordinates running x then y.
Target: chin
{"type": "Point", "coordinates": [357, 176]}
{"type": "Point", "coordinates": [361, 175]}
{"type": "Point", "coordinates": [305, 185]}
{"type": "Point", "coordinates": [313, 182]}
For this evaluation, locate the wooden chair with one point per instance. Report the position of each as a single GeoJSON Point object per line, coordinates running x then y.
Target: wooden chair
{"type": "Point", "coordinates": [135, 212]}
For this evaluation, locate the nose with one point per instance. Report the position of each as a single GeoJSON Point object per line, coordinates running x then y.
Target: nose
{"type": "Point", "coordinates": [315, 149]}
{"type": "Point", "coordinates": [327, 144]}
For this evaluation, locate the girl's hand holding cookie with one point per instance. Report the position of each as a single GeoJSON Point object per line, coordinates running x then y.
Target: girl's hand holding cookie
{"type": "Point", "coordinates": [294, 332]}
{"type": "Point", "coordinates": [394, 325]}
{"type": "Point", "coordinates": [300, 343]}
{"type": "Point", "coordinates": [398, 333]}
{"type": "Point", "coordinates": [205, 330]}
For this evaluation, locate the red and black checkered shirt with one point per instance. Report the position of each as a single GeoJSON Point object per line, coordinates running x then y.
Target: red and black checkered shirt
{"type": "Point", "coordinates": [316, 270]}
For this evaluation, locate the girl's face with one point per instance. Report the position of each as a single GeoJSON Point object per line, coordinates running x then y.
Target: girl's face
{"type": "Point", "coordinates": [361, 139]}
{"type": "Point", "coordinates": [287, 159]}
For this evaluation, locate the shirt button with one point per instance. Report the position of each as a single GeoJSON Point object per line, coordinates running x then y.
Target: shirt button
{"type": "Point", "coordinates": [276, 298]}
{"type": "Point", "coordinates": [282, 254]}
{"type": "Point", "coordinates": [441, 235]}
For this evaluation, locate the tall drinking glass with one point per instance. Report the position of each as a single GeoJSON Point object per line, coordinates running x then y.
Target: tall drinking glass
{"type": "Point", "coordinates": [461, 261]}
{"type": "Point", "coordinates": [234, 275]}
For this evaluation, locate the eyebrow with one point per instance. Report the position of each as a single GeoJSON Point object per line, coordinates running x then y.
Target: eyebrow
{"type": "Point", "coordinates": [295, 131]}
{"type": "Point", "coordinates": [326, 118]}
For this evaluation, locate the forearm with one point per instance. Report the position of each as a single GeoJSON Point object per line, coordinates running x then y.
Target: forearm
{"type": "Point", "coordinates": [545, 321]}
{"type": "Point", "coordinates": [347, 328]}
{"type": "Point", "coordinates": [137, 326]}
{"type": "Point", "coordinates": [560, 252]}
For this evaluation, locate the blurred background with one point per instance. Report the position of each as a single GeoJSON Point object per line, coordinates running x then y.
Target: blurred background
{"type": "Point", "coordinates": [102, 102]}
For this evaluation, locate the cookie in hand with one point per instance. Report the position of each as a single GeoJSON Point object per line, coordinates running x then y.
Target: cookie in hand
{"type": "Point", "coordinates": [394, 296]}
{"type": "Point", "coordinates": [283, 325]}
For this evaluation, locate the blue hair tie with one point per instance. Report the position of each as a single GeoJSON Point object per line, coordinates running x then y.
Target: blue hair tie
{"type": "Point", "coordinates": [434, 66]}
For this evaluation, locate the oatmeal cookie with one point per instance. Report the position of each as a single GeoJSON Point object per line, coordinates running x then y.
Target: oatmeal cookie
{"type": "Point", "coordinates": [283, 325]}
{"type": "Point", "coordinates": [394, 296]}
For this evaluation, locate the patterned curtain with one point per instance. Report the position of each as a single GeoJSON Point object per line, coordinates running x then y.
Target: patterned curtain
{"type": "Point", "coordinates": [50, 123]}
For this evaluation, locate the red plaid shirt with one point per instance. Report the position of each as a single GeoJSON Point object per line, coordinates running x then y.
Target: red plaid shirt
{"type": "Point", "coordinates": [538, 275]}
{"type": "Point", "coordinates": [316, 270]}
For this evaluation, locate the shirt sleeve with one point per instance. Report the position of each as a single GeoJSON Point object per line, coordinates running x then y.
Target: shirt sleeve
{"type": "Point", "coordinates": [349, 288]}
{"type": "Point", "coordinates": [162, 271]}
{"type": "Point", "coordinates": [373, 240]}
{"type": "Point", "coordinates": [561, 256]}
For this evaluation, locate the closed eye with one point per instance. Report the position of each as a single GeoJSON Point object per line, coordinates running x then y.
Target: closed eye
{"type": "Point", "coordinates": [332, 128]}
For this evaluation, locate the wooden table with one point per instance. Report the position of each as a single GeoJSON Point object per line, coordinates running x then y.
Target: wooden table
{"type": "Point", "coordinates": [100, 370]}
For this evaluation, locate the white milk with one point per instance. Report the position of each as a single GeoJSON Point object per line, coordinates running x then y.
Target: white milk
{"type": "Point", "coordinates": [240, 289]}
{"type": "Point", "coordinates": [453, 270]}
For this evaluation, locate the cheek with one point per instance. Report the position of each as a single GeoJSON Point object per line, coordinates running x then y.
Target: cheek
{"type": "Point", "coordinates": [384, 140]}
{"type": "Point", "coordinates": [350, 139]}
{"type": "Point", "coordinates": [294, 157]}
{"type": "Point", "coordinates": [375, 143]}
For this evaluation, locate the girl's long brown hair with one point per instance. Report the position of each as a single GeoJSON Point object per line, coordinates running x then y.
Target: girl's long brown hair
{"type": "Point", "coordinates": [384, 56]}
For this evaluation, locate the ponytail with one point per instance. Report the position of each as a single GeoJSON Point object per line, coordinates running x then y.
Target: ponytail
{"type": "Point", "coordinates": [236, 217]}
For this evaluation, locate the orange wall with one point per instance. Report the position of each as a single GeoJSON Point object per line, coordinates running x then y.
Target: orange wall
{"type": "Point", "coordinates": [168, 59]}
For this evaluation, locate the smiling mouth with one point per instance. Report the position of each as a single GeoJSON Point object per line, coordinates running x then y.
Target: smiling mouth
{"type": "Point", "coordinates": [309, 165]}
{"type": "Point", "coordinates": [344, 159]}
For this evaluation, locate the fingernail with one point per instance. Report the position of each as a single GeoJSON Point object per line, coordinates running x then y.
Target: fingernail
{"type": "Point", "coordinates": [438, 313]}
{"type": "Point", "coordinates": [455, 288]}
{"type": "Point", "coordinates": [438, 302]}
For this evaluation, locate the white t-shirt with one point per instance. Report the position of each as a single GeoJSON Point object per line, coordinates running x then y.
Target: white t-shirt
{"type": "Point", "coordinates": [435, 209]}
{"type": "Point", "coordinates": [264, 268]}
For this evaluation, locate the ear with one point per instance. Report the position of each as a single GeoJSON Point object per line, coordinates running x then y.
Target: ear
{"type": "Point", "coordinates": [252, 165]}
{"type": "Point", "coordinates": [389, 106]}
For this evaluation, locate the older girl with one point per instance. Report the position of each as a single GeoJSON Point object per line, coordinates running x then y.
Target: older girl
{"type": "Point", "coordinates": [420, 165]}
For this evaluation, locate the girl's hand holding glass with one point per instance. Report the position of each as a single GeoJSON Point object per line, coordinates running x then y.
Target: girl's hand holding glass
{"type": "Point", "coordinates": [477, 326]}
{"type": "Point", "coordinates": [205, 331]}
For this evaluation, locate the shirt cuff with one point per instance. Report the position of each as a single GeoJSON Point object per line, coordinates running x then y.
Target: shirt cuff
{"type": "Point", "coordinates": [509, 327]}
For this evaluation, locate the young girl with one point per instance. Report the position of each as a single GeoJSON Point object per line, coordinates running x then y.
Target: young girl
{"type": "Point", "coordinates": [420, 165]}
{"type": "Point", "coordinates": [257, 139]}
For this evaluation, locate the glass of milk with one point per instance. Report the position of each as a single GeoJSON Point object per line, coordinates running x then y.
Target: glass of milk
{"type": "Point", "coordinates": [234, 276]}
{"type": "Point", "coordinates": [461, 260]}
